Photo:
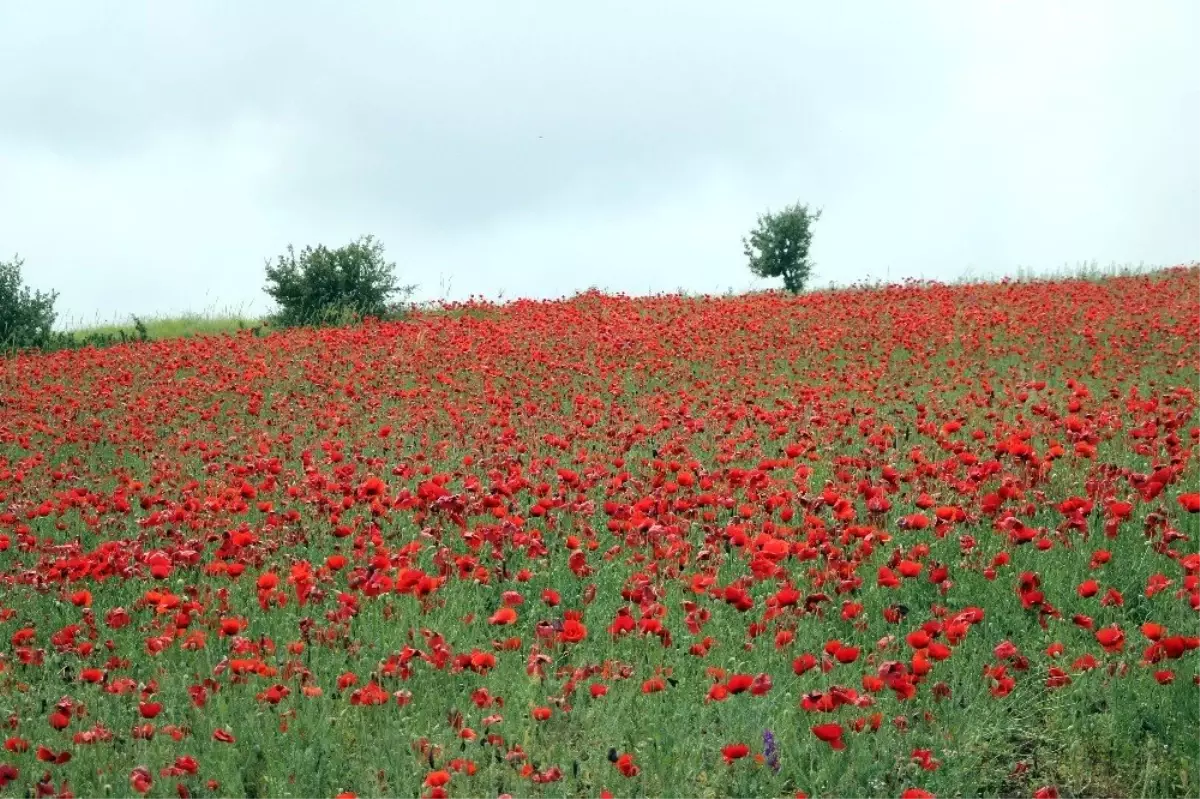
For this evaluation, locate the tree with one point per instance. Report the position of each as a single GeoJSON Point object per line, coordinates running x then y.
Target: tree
{"type": "Point", "coordinates": [321, 285]}
{"type": "Point", "coordinates": [26, 316]}
{"type": "Point", "coordinates": [778, 247]}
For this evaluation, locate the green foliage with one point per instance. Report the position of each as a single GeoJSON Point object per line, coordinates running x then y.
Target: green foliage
{"type": "Point", "coordinates": [26, 316]}
{"type": "Point", "coordinates": [27, 319]}
{"type": "Point", "coordinates": [778, 247]}
{"type": "Point", "coordinates": [324, 286]}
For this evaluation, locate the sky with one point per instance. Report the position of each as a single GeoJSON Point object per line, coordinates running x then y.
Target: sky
{"type": "Point", "coordinates": [154, 155]}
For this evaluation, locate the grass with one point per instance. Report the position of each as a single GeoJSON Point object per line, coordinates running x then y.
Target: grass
{"type": "Point", "coordinates": [1084, 270]}
{"type": "Point", "coordinates": [184, 326]}
{"type": "Point", "coordinates": [1091, 271]}
{"type": "Point", "coordinates": [214, 320]}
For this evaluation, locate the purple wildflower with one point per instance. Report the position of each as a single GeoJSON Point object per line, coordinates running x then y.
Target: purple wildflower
{"type": "Point", "coordinates": [770, 750]}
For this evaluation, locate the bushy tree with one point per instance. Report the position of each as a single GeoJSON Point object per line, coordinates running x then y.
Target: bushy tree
{"type": "Point", "coordinates": [26, 316]}
{"type": "Point", "coordinates": [323, 286]}
{"type": "Point", "coordinates": [778, 247]}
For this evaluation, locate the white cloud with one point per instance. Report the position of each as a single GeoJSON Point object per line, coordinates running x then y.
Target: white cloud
{"type": "Point", "coordinates": [153, 154]}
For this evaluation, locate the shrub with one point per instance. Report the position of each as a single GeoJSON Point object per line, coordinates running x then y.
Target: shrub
{"type": "Point", "coordinates": [26, 316]}
{"type": "Point", "coordinates": [778, 247]}
{"type": "Point", "coordinates": [324, 286]}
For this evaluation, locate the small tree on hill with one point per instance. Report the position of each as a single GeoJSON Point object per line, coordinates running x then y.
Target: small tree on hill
{"type": "Point", "coordinates": [26, 316]}
{"type": "Point", "coordinates": [778, 247]}
{"type": "Point", "coordinates": [320, 285]}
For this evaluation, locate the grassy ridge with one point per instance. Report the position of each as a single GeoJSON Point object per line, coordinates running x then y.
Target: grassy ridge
{"type": "Point", "coordinates": [230, 320]}
{"type": "Point", "coordinates": [182, 326]}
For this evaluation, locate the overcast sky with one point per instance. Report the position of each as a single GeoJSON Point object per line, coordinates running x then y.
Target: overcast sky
{"type": "Point", "coordinates": [153, 154]}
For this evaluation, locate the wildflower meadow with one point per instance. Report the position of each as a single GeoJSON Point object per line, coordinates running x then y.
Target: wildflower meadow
{"type": "Point", "coordinates": [908, 540]}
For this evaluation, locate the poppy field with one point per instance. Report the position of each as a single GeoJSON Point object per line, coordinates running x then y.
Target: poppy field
{"type": "Point", "coordinates": [905, 541]}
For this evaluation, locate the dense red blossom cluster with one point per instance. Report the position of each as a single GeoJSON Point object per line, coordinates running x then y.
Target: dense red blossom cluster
{"type": "Point", "coordinates": [863, 515]}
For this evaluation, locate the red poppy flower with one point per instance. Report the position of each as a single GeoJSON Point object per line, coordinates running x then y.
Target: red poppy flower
{"type": "Point", "coordinates": [436, 779]}
{"type": "Point", "coordinates": [504, 615]}
{"type": "Point", "coordinates": [739, 683]}
{"type": "Point", "coordinates": [1111, 638]}
{"type": "Point", "coordinates": [654, 685]}
{"type": "Point", "coordinates": [149, 710]}
{"type": "Point", "coordinates": [140, 779]}
{"type": "Point", "coordinates": [803, 663]}
{"type": "Point", "coordinates": [17, 745]}
{"type": "Point", "coordinates": [573, 631]}
{"type": "Point", "coordinates": [831, 734]}
{"type": "Point", "coordinates": [732, 752]}
{"type": "Point", "coordinates": [719, 692]}
{"type": "Point", "coordinates": [1190, 502]}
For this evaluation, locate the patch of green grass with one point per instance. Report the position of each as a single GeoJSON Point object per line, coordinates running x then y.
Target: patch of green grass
{"type": "Point", "coordinates": [1084, 270]}
{"type": "Point", "coordinates": [183, 326]}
